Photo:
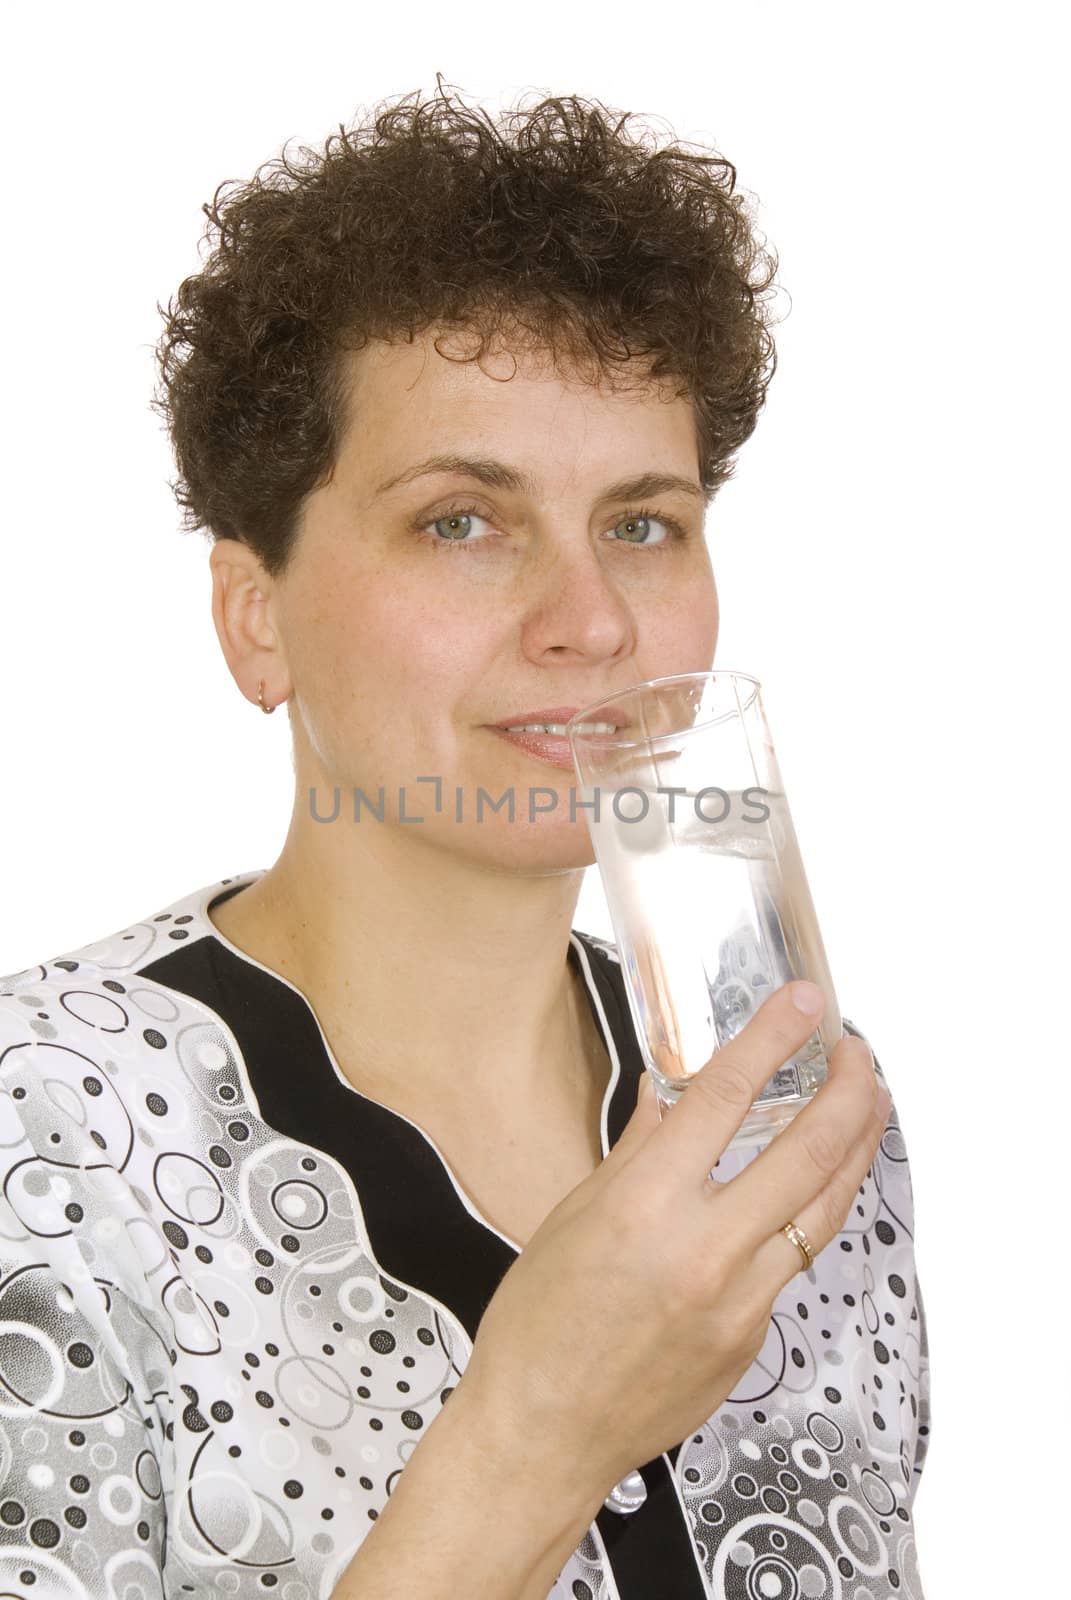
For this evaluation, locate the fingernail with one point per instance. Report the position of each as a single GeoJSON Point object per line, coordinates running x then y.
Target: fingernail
{"type": "Point", "coordinates": [807, 997]}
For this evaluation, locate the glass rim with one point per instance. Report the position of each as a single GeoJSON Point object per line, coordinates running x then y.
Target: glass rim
{"type": "Point", "coordinates": [609, 741]}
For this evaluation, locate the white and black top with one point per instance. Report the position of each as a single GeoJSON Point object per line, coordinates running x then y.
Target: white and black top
{"type": "Point", "coordinates": [235, 1292]}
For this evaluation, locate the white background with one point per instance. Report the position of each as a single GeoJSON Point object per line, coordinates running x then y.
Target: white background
{"type": "Point", "coordinates": [890, 557]}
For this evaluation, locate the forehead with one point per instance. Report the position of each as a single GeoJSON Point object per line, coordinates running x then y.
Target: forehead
{"type": "Point", "coordinates": [440, 381]}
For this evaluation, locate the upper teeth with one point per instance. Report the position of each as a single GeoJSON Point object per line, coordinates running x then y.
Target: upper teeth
{"type": "Point", "coordinates": [559, 727]}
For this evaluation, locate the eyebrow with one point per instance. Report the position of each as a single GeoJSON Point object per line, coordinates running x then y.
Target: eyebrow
{"type": "Point", "coordinates": [499, 475]}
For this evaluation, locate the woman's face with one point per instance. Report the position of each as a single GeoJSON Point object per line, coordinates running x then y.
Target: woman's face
{"type": "Point", "coordinates": [422, 607]}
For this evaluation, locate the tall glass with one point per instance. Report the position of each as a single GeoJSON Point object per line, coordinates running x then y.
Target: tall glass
{"type": "Point", "coordinates": [703, 878]}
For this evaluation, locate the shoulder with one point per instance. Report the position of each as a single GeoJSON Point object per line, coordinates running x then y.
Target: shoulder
{"type": "Point", "coordinates": [132, 945]}
{"type": "Point", "coordinates": [86, 983]}
{"type": "Point", "coordinates": [103, 1066]}
{"type": "Point", "coordinates": [45, 1009]}
{"type": "Point", "coordinates": [73, 1264]}
{"type": "Point", "coordinates": [106, 1078]}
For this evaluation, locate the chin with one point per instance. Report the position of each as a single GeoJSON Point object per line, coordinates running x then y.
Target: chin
{"type": "Point", "coordinates": [538, 847]}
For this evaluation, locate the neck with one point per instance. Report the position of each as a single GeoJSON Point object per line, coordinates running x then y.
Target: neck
{"type": "Point", "coordinates": [432, 975]}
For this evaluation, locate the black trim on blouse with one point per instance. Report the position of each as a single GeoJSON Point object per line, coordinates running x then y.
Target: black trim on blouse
{"type": "Point", "coordinates": [419, 1230]}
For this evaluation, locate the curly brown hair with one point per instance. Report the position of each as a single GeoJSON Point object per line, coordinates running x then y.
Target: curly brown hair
{"type": "Point", "coordinates": [555, 220]}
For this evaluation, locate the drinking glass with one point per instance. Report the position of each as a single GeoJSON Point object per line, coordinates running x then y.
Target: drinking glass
{"type": "Point", "coordinates": [711, 910]}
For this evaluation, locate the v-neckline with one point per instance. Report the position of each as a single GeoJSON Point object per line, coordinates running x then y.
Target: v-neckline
{"type": "Point", "coordinates": [578, 954]}
{"type": "Point", "coordinates": [337, 1180]}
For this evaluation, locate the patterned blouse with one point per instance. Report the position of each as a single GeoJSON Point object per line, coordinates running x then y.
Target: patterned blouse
{"type": "Point", "coordinates": [235, 1292]}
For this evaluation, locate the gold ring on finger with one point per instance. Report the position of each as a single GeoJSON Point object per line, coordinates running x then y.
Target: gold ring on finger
{"type": "Point", "coordinates": [799, 1238]}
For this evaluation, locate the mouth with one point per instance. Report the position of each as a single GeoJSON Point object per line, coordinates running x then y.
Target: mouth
{"type": "Point", "coordinates": [556, 729]}
{"type": "Point", "coordinates": [541, 732]}
{"type": "Point", "coordinates": [547, 741]}
{"type": "Point", "coordinates": [552, 720]}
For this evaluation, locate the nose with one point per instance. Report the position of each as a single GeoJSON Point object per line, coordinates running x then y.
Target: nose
{"type": "Point", "coordinates": [575, 610]}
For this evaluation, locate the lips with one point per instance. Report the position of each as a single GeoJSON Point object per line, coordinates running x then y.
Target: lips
{"type": "Point", "coordinates": [547, 714]}
{"type": "Point", "coordinates": [552, 714]}
{"type": "Point", "coordinates": [551, 747]}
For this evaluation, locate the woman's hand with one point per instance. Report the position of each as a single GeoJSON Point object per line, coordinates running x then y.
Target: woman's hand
{"type": "Point", "coordinates": [645, 1295]}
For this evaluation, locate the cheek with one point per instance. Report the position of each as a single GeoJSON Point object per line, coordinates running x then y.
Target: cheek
{"type": "Point", "coordinates": [379, 653]}
{"type": "Point", "coordinates": [683, 626]}
{"type": "Point", "coordinates": [704, 617]}
{"type": "Point", "coordinates": [427, 641]}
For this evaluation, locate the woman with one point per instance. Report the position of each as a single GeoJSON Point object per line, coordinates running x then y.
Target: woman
{"type": "Point", "coordinates": [312, 1150]}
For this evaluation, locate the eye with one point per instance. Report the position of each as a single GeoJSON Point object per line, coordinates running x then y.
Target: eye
{"type": "Point", "coordinates": [638, 521]}
{"type": "Point", "coordinates": [453, 522]}
{"type": "Point", "coordinates": [452, 528]}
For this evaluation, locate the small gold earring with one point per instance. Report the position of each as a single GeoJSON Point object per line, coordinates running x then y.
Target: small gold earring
{"type": "Point", "coordinates": [260, 697]}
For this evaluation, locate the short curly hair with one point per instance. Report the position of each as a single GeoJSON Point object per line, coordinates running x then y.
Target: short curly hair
{"type": "Point", "coordinates": [554, 220]}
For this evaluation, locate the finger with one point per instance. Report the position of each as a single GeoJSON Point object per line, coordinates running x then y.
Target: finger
{"type": "Point", "coordinates": [695, 1131]}
{"type": "Point", "coordinates": [797, 1165]}
{"type": "Point", "coordinates": [639, 1127]}
{"type": "Point", "coordinates": [823, 1217]}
